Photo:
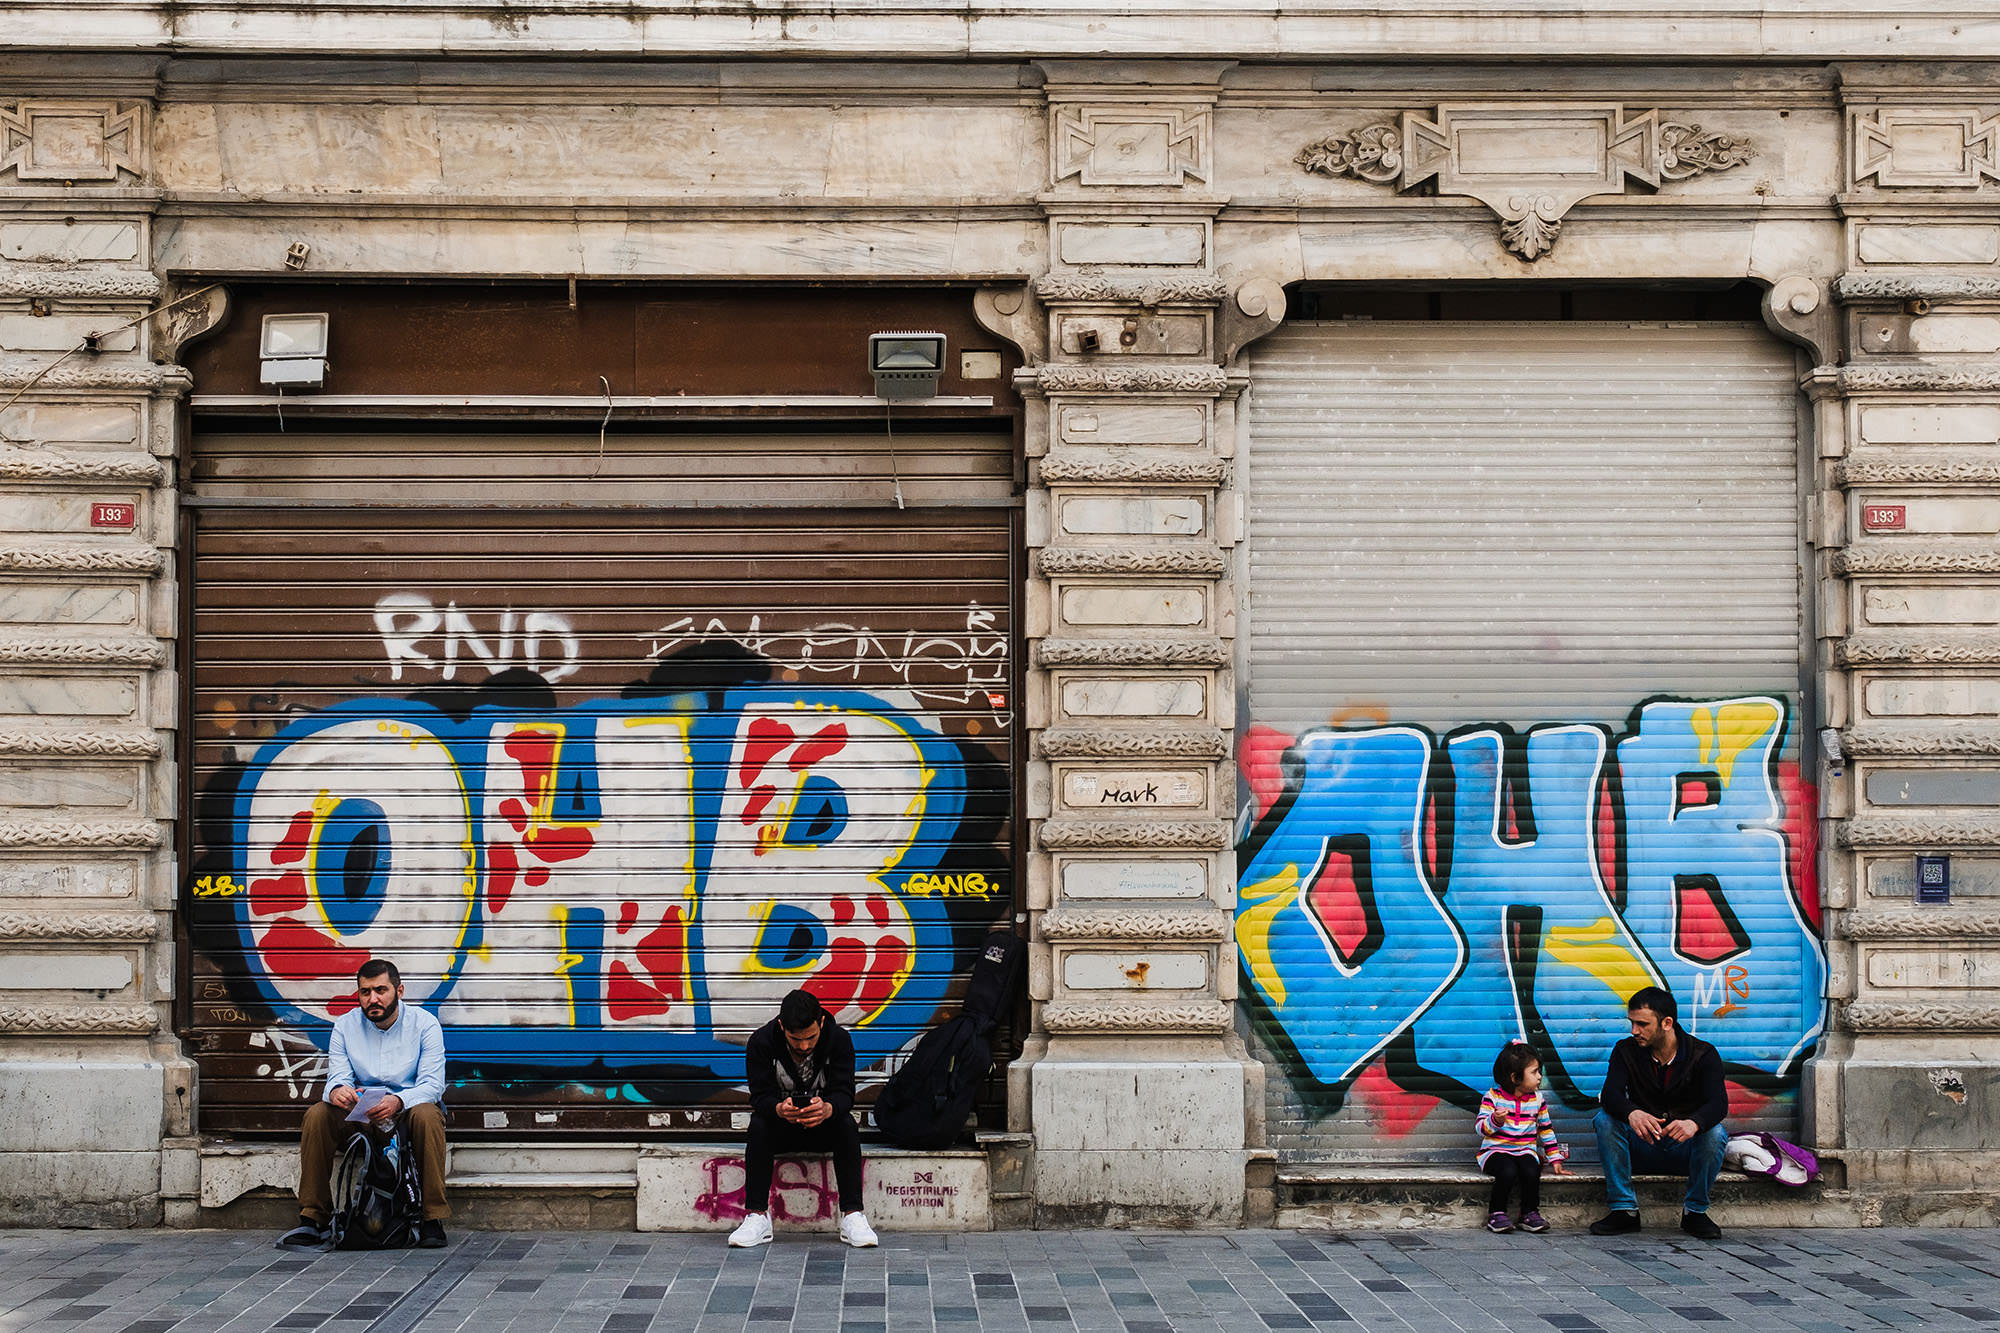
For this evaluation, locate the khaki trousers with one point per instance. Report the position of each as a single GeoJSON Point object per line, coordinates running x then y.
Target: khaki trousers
{"type": "Point", "coordinates": [327, 1131]}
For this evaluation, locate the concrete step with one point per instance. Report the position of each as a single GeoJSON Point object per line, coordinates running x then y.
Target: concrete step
{"type": "Point", "coordinates": [1347, 1196]}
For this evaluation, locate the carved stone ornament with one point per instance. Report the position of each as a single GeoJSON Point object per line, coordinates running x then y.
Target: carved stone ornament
{"type": "Point", "coordinates": [1923, 924]}
{"type": "Point", "coordinates": [78, 1020]}
{"type": "Point", "coordinates": [1878, 467]}
{"type": "Point", "coordinates": [82, 652]}
{"type": "Point", "coordinates": [1127, 652]}
{"type": "Point", "coordinates": [1912, 149]}
{"type": "Point", "coordinates": [1134, 924]}
{"type": "Point", "coordinates": [18, 464]}
{"type": "Point", "coordinates": [141, 376]}
{"type": "Point", "coordinates": [104, 744]}
{"type": "Point", "coordinates": [1131, 379]}
{"type": "Point", "coordinates": [69, 559]}
{"type": "Point", "coordinates": [1131, 144]}
{"type": "Point", "coordinates": [1199, 834]}
{"type": "Point", "coordinates": [1176, 558]}
{"type": "Point", "coordinates": [1892, 831]}
{"type": "Point", "coordinates": [1860, 288]}
{"type": "Point", "coordinates": [1125, 466]}
{"type": "Point", "coordinates": [1117, 743]}
{"type": "Point", "coordinates": [1530, 165]}
{"type": "Point", "coordinates": [1875, 1016]}
{"type": "Point", "coordinates": [72, 141]}
{"type": "Point", "coordinates": [1929, 650]}
{"type": "Point", "coordinates": [1899, 379]}
{"type": "Point", "coordinates": [1939, 557]}
{"type": "Point", "coordinates": [1190, 1016]}
{"type": "Point", "coordinates": [1096, 289]}
{"type": "Point", "coordinates": [75, 926]}
{"type": "Point", "coordinates": [1966, 738]}
{"type": "Point", "coordinates": [75, 284]}
{"type": "Point", "coordinates": [141, 834]}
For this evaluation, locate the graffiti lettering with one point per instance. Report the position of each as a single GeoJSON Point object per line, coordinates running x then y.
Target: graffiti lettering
{"type": "Point", "coordinates": [802, 1190]}
{"type": "Point", "coordinates": [656, 871]}
{"type": "Point", "coordinates": [216, 886]}
{"type": "Point", "coordinates": [294, 1059]}
{"type": "Point", "coordinates": [539, 641]}
{"type": "Point", "coordinates": [1526, 890]}
{"type": "Point", "coordinates": [977, 659]}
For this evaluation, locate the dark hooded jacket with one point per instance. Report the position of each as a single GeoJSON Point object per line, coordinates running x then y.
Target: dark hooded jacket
{"type": "Point", "coordinates": [1688, 1089]}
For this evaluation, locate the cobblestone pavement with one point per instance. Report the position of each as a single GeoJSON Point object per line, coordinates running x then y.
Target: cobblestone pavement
{"type": "Point", "coordinates": [1018, 1282]}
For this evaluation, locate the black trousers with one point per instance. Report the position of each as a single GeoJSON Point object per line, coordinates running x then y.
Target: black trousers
{"type": "Point", "coordinates": [769, 1138]}
{"type": "Point", "coordinates": [1510, 1170]}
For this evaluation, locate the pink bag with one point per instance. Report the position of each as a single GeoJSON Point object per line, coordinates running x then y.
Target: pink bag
{"type": "Point", "coordinates": [1768, 1155]}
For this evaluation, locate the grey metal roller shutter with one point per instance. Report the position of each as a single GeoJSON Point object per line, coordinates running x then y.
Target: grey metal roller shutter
{"type": "Point", "coordinates": [1523, 643]}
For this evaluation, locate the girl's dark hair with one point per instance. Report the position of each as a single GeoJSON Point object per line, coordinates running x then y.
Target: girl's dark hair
{"type": "Point", "coordinates": [1511, 1063]}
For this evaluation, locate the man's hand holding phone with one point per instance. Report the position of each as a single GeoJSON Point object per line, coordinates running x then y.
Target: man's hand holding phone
{"type": "Point", "coordinates": [804, 1112]}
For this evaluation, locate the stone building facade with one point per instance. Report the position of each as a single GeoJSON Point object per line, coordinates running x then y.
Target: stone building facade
{"type": "Point", "coordinates": [1127, 209]}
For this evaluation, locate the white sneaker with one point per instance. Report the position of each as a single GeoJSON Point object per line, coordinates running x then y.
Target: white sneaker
{"type": "Point", "coordinates": [855, 1231]}
{"type": "Point", "coordinates": [754, 1229]}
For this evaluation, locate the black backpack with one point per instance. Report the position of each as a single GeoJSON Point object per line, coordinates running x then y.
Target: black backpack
{"type": "Point", "coordinates": [927, 1100]}
{"type": "Point", "coordinates": [377, 1193]}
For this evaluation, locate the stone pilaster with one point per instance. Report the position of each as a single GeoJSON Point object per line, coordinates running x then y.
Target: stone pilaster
{"type": "Point", "coordinates": [1135, 1084]}
{"type": "Point", "coordinates": [91, 1081]}
{"type": "Point", "coordinates": [1910, 614]}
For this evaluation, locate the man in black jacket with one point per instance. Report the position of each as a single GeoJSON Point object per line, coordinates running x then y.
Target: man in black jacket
{"type": "Point", "coordinates": [800, 1068]}
{"type": "Point", "coordinates": [1663, 1104]}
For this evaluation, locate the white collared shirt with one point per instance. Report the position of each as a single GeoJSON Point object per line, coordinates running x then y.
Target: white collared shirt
{"type": "Point", "coordinates": [407, 1057]}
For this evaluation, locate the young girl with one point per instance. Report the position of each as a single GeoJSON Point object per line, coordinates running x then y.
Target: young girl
{"type": "Point", "coordinates": [1513, 1121]}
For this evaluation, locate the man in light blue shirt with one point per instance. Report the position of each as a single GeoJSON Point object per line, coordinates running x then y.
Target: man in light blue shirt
{"type": "Point", "coordinates": [382, 1049]}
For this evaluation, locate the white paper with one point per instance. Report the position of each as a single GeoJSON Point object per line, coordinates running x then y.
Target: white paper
{"type": "Point", "coordinates": [370, 1099]}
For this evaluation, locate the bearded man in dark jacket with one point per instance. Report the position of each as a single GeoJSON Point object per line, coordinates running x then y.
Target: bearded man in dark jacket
{"type": "Point", "coordinates": [1662, 1109]}
{"type": "Point", "coordinates": [800, 1070]}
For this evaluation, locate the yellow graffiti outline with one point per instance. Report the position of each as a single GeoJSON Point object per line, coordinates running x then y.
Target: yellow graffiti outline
{"type": "Point", "coordinates": [1596, 950]}
{"type": "Point", "coordinates": [469, 845]}
{"type": "Point", "coordinates": [1724, 733]}
{"type": "Point", "coordinates": [565, 960]}
{"type": "Point", "coordinates": [1256, 914]}
{"type": "Point", "coordinates": [761, 913]}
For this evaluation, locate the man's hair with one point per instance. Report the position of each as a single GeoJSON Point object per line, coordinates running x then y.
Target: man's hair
{"type": "Point", "coordinates": [1659, 1001]}
{"type": "Point", "coordinates": [380, 967]}
{"type": "Point", "coordinates": [799, 1011]}
{"type": "Point", "coordinates": [1511, 1063]}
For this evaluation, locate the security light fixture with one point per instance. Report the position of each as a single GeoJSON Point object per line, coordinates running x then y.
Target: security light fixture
{"type": "Point", "coordinates": [292, 351]}
{"type": "Point", "coordinates": [906, 365]}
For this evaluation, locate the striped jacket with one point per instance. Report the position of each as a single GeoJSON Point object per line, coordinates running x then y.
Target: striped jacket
{"type": "Point", "coordinates": [1515, 1125]}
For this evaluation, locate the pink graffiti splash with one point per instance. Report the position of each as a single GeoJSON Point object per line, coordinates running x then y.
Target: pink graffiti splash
{"type": "Point", "coordinates": [803, 1189]}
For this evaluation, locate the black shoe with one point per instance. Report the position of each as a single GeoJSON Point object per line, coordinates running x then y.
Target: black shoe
{"type": "Point", "coordinates": [307, 1235]}
{"type": "Point", "coordinates": [1698, 1226]}
{"type": "Point", "coordinates": [1617, 1222]}
{"type": "Point", "coordinates": [430, 1234]}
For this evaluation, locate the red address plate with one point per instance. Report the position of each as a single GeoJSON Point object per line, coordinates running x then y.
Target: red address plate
{"type": "Point", "coordinates": [1881, 518]}
{"type": "Point", "coordinates": [103, 515]}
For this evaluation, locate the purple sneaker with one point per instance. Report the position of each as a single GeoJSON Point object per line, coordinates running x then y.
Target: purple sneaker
{"type": "Point", "coordinates": [1532, 1222]}
{"type": "Point", "coordinates": [1499, 1224]}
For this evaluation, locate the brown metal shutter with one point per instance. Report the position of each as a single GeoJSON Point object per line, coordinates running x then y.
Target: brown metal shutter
{"type": "Point", "coordinates": [606, 783]}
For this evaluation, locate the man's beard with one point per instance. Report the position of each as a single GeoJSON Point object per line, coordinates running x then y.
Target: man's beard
{"type": "Point", "coordinates": [388, 1012]}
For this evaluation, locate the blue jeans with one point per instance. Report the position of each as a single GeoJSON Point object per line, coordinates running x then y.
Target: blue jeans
{"type": "Point", "coordinates": [1622, 1151]}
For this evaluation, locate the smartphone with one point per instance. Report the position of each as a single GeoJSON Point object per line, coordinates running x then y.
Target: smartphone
{"type": "Point", "coordinates": [800, 1101]}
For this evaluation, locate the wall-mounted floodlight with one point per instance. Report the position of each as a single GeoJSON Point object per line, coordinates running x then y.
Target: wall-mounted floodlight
{"type": "Point", "coordinates": [292, 351]}
{"type": "Point", "coordinates": [906, 365]}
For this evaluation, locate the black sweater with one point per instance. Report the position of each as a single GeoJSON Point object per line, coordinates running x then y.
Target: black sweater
{"type": "Point", "coordinates": [1688, 1089]}
{"type": "Point", "coordinates": [773, 1075]}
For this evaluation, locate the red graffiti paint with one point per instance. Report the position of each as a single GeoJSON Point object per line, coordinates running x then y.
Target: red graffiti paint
{"type": "Point", "coordinates": [663, 953]}
{"type": "Point", "coordinates": [1392, 1110]}
{"type": "Point", "coordinates": [856, 973]}
{"type": "Point", "coordinates": [1336, 900]}
{"type": "Point", "coordinates": [1260, 759]}
{"type": "Point", "coordinates": [277, 894]}
{"type": "Point", "coordinates": [767, 737]}
{"type": "Point", "coordinates": [1743, 1103]}
{"type": "Point", "coordinates": [1705, 929]}
{"type": "Point", "coordinates": [1801, 821]}
{"type": "Point", "coordinates": [625, 996]}
{"type": "Point", "coordinates": [501, 867]}
{"type": "Point", "coordinates": [536, 750]}
{"type": "Point", "coordinates": [299, 953]}
{"type": "Point", "coordinates": [291, 848]}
